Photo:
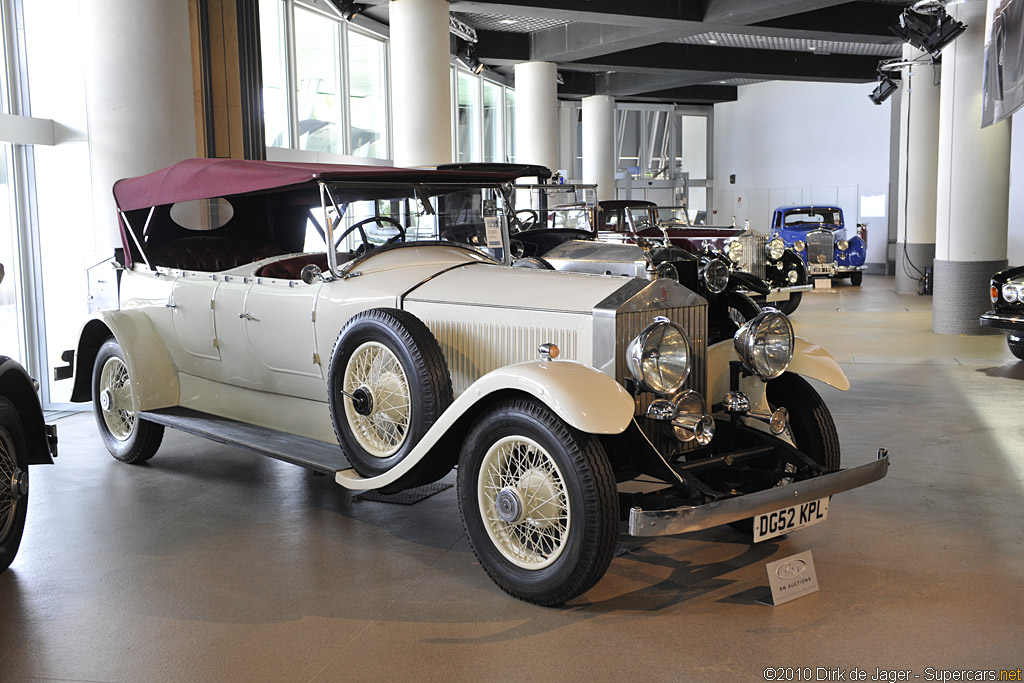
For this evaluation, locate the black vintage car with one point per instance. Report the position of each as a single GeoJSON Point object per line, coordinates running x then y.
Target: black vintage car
{"type": "Point", "coordinates": [24, 440]}
{"type": "Point", "coordinates": [1007, 293]}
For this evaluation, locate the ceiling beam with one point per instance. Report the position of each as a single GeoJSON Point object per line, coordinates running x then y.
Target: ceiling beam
{"type": "Point", "coordinates": [753, 11]}
{"type": "Point", "coordinates": [721, 63]}
{"type": "Point", "coordinates": [648, 13]}
{"type": "Point", "coordinates": [693, 94]}
{"type": "Point", "coordinates": [858, 18]}
{"type": "Point", "coordinates": [581, 40]}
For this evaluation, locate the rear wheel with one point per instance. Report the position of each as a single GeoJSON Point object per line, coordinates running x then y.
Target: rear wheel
{"type": "Point", "coordinates": [538, 502]}
{"type": "Point", "coordinates": [127, 437]}
{"type": "Point", "coordinates": [13, 482]}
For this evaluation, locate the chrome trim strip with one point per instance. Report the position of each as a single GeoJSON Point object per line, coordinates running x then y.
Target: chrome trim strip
{"type": "Point", "coordinates": [694, 518]}
{"type": "Point", "coordinates": [1002, 321]}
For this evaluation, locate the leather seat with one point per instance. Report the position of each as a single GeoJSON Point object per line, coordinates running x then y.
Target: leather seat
{"type": "Point", "coordinates": [208, 253]}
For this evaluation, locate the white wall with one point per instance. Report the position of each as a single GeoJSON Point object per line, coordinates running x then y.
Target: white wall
{"type": "Point", "coordinates": [792, 143]}
{"type": "Point", "coordinates": [1015, 237]}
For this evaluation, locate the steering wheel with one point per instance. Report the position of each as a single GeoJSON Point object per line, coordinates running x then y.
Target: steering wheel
{"type": "Point", "coordinates": [521, 225]}
{"type": "Point", "coordinates": [380, 220]}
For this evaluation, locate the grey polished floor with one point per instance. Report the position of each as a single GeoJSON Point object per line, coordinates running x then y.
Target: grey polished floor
{"type": "Point", "coordinates": [211, 564]}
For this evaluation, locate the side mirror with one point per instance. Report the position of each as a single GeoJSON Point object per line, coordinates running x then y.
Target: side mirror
{"type": "Point", "coordinates": [311, 273]}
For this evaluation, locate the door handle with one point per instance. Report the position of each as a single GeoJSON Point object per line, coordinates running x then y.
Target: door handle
{"type": "Point", "coordinates": [246, 316]}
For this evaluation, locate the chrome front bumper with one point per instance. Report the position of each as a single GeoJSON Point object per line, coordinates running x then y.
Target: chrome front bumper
{"type": "Point", "coordinates": [850, 269]}
{"type": "Point", "coordinates": [694, 518]}
{"type": "Point", "coordinates": [1002, 321]}
{"type": "Point", "coordinates": [782, 293]}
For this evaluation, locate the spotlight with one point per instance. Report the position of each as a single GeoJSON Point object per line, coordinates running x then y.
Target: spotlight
{"type": "Point", "coordinates": [885, 88]}
{"type": "Point", "coordinates": [466, 53]}
{"type": "Point", "coordinates": [347, 8]}
{"type": "Point", "coordinates": [927, 27]}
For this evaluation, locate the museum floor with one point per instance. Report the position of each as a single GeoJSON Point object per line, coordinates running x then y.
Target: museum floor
{"type": "Point", "coordinates": [212, 564]}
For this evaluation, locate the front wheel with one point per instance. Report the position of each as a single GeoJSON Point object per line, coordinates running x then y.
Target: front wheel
{"type": "Point", "coordinates": [127, 437]}
{"type": "Point", "coordinates": [1016, 345]}
{"type": "Point", "coordinates": [856, 277]}
{"type": "Point", "coordinates": [789, 305]}
{"type": "Point", "coordinates": [538, 502]}
{"type": "Point", "coordinates": [739, 308]}
{"type": "Point", "coordinates": [13, 482]}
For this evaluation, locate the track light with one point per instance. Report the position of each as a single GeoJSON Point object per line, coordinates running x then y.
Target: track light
{"type": "Point", "coordinates": [466, 53]}
{"type": "Point", "coordinates": [927, 27]}
{"type": "Point", "coordinates": [884, 90]}
{"type": "Point", "coordinates": [347, 8]}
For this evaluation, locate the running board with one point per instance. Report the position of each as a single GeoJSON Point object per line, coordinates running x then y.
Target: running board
{"type": "Point", "coordinates": [298, 450]}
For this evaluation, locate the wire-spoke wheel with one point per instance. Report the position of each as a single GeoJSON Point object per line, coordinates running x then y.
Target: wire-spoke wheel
{"type": "Point", "coordinates": [129, 438]}
{"type": "Point", "coordinates": [13, 482]}
{"type": "Point", "coordinates": [538, 501]}
{"type": "Point", "coordinates": [524, 502]}
{"type": "Point", "coordinates": [388, 383]}
{"type": "Point", "coordinates": [116, 399]}
{"type": "Point", "coordinates": [374, 370]}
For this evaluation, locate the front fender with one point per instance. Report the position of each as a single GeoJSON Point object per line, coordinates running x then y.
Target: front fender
{"type": "Point", "coordinates": [809, 360]}
{"type": "Point", "coordinates": [154, 377]}
{"type": "Point", "coordinates": [741, 279]}
{"type": "Point", "coordinates": [585, 398]}
{"type": "Point", "coordinates": [17, 386]}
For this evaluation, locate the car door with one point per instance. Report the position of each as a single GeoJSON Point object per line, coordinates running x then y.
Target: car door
{"type": "Point", "coordinates": [192, 318]}
{"type": "Point", "coordinates": [279, 318]}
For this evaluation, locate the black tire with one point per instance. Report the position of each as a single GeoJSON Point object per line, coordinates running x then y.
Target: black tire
{"type": "Point", "coordinates": [141, 441]}
{"type": "Point", "coordinates": [856, 277]}
{"type": "Point", "coordinates": [789, 305]}
{"type": "Point", "coordinates": [424, 380]}
{"type": "Point", "coordinates": [13, 498]}
{"type": "Point", "coordinates": [590, 507]}
{"type": "Point", "coordinates": [1016, 347]}
{"type": "Point", "coordinates": [810, 422]}
{"type": "Point", "coordinates": [739, 308]}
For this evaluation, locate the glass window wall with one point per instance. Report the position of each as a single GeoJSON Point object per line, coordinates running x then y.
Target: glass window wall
{"type": "Point", "coordinates": [317, 62]}
{"type": "Point", "coordinates": [368, 110]}
{"type": "Point", "coordinates": [467, 121]}
{"type": "Point", "coordinates": [493, 112]}
{"type": "Point", "coordinates": [275, 89]}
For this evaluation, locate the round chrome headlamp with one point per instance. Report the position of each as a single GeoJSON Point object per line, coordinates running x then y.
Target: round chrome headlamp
{"type": "Point", "coordinates": [715, 275]}
{"type": "Point", "coordinates": [1010, 293]}
{"type": "Point", "coordinates": [659, 357]}
{"type": "Point", "coordinates": [799, 246]}
{"type": "Point", "coordinates": [775, 249]}
{"type": "Point", "coordinates": [765, 343]}
{"type": "Point", "coordinates": [667, 270]}
{"type": "Point", "coordinates": [843, 245]}
{"type": "Point", "coordinates": [734, 250]}
{"type": "Point", "coordinates": [792, 277]}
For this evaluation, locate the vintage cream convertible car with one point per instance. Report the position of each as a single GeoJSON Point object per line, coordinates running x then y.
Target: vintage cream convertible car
{"type": "Point", "coordinates": [412, 347]}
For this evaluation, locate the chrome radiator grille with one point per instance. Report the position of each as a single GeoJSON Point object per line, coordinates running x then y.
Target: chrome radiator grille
{"type": "Point", "coordinates": [820, 247]}
{"type": "Point", "coordinates": [753, 254]}
{"type": "Point", "coordinates": [627, 326]}
{"type": "Point", "coordinates": [473, 349]}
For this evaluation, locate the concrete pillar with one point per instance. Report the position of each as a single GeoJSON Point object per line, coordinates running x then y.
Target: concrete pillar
{"type": "Point", "coordinates": [536, 113]}
{"type": "Point", "coordinates": [973, 184]}
{"type": "Point", "coordinates": [599, 144]}
{"type": "Point", "coordinates": [138, 71]}
{"type": "Point", "coordinates": [421, 82]}
{"type": "Point", "coordinates": [918, 172]}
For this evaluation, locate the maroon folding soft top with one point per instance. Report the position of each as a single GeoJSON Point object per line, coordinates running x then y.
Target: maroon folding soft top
{"type": "Point", "coordinates": [207, 178]}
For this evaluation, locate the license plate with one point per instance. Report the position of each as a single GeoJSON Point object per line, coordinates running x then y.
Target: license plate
{"type": "Point", "coordinates": [772, 524]}
{"type": "Point", "coordinates": [820, 269]}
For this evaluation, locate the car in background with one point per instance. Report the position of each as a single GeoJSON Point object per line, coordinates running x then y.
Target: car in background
{"type": "Point", "coordinates": [818, 234]}
{"type": "Point", "coordinates": [782, 269]}
{"type": "Point", "coordinates": [568, 402]}
{"type": "Point", "coordinates": [25, 440]}
{"type": "Point", "coordinates": [1006, 290]}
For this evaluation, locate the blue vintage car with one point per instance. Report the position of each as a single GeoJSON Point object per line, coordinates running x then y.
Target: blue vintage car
{"type": "Point", "coordinates": [818, 234]}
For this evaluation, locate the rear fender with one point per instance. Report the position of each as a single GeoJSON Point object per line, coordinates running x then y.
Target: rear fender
{"type": "Point", "coordinates": [154, 376]}
{"type": "Point", "coordinates": [583, 397]}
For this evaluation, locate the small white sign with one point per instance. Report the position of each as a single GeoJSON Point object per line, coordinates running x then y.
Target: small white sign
{"type": "Point", "coordinates": [822, 283]}
{"type": "Point", "coordinates": [493, 229]}
{"type": "Point", "coordinates": [792, 577]}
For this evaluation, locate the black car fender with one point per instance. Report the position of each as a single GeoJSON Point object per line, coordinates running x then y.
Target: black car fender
{"type": "Point", "coordinates": [20, 389]}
